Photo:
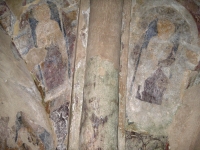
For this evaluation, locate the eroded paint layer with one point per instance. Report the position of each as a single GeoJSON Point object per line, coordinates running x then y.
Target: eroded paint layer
{"type": "Point", "coordinates": [26, 37]}
{"type": "Point", "coordinates": [100, 108]}
{"type": "Point", "coordinates": [54, 13]}
{"type": "Point", "coordinates": [158, 61]}
{"type": "Point", "coordinates": [53, 68]}
{"type": "Point", "coordinates": [36, 135]}
{"type": "Point", "coordinates": [6, 18]}
{"type": "Point", "coordinates": [60, 123]}
{"type": "Point", "coordinates": [70, 26]}
{"type": "Point", "coordinates": [141, 141]}
{"type": "Point", "coordinates": [26, 2]}
{"type": "Point", "coordinates": [193, 6]}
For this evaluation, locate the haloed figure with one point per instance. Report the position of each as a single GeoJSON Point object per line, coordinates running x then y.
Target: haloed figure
{"type": "Point", "coordinates": [48, 31]}
{"type": "Point", "coordinates": [155, 64]}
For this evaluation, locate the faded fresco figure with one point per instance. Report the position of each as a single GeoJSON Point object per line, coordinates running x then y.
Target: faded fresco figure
{"type": "Point", "coordinates": [48, 60]}
{"type": "Point", "coordinates": [48, 31]}
{"type": "Point", "coordinates": [158, 69]}
{"type": "Point", "coordinates": [158, 57]}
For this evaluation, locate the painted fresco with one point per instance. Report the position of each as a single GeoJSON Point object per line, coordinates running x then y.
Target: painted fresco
{"type": "Point", "coordinates": [44, 36]}
{"type": "Point", "coordinates": [158, 59]}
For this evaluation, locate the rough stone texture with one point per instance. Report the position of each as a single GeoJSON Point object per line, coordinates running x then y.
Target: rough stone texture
{"type": "Point", "coordinates": [123, 72]}
{"type": "Point", "coordinates": [79, 76]}
{"type": "Point", "coordinates": [60, 119]}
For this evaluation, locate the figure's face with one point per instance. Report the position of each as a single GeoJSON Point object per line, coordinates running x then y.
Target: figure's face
{"type": "Point", "coordinates": [41, 12]}
{"type": "Point", "coordinates": [165, 29]}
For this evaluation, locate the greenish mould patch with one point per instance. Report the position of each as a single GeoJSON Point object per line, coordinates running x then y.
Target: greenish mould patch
{"type": "Point", "coordinates": [102, 70]}
{"type": "Point", "coordinates": [100, 106]}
